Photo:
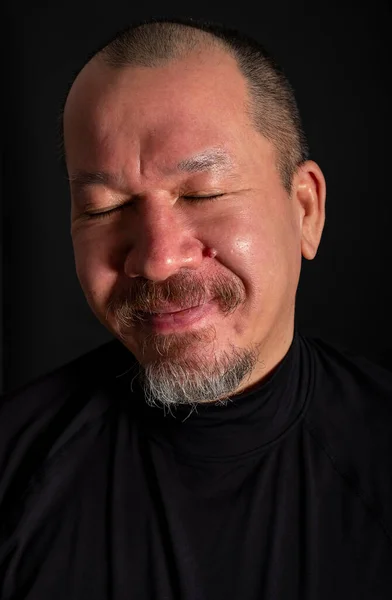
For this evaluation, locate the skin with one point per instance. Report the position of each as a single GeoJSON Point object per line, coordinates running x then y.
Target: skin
{"type": "Point", "coordinates": [137, 124]}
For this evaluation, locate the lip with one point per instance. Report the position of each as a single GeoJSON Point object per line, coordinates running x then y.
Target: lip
{"type": "Point", "coordinates": [179, 319]}
{"type": "Point", "coordinates": [167, 311]}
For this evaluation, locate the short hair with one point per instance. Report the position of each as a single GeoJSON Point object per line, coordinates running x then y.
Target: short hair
{"type": "Point", "coordinates": [272, 105]}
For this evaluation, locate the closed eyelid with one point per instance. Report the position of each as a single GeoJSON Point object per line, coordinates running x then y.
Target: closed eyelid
{"type": "Point", "coordinates": [111, 210]}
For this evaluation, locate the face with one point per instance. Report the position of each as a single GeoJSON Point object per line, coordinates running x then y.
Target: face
{"type": "Point", "coordinates": [177, 203]}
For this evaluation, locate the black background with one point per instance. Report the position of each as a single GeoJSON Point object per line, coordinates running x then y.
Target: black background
{"type": "Point", "coordinates": [336, 55]}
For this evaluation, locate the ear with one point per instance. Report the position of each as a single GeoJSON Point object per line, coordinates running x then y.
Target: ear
{"type": "Point", "coordinates": [309, 193]}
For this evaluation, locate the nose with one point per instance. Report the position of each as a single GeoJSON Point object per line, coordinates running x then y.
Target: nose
{"type": "Point", "coordinates": [162, 243]}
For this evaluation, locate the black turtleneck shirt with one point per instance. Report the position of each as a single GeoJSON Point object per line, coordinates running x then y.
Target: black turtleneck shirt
{"type": "Point", "coordinates": [285, 493]}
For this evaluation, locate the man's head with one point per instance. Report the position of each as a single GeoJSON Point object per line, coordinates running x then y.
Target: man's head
{"type": "Point", "coordinates": [194, 144]}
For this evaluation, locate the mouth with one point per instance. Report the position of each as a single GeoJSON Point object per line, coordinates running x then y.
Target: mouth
{"type": "Point", "coordinates": [172, 310]}
{"type": "Point", "coordinates": [172, 319]}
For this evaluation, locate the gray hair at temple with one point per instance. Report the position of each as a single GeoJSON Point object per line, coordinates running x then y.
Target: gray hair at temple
{"type": "Point", "coordinates": [272, 105]}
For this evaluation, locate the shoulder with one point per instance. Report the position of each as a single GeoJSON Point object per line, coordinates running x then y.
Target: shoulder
{"type": "Point", "coordinates": [350, 417]}
{"type": "Point", "coordinates": [48, 393]}
{"type": "Point", "coordinates": [41, 417]}
{"type": "Point", "coordinates": [350, 386]}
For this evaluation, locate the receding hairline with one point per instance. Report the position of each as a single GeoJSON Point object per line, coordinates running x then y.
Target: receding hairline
{"type": "Point", "coordinates": [103, 59]}
{"type": "Point", "coordinates": [191, 40]}
{"type": "Point", "coordinates": [99, 61]}
{"type": "Point", "coordinates": [270, 102]}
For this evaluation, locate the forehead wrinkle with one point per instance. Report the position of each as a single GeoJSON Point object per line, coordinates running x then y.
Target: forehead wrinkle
{"type": "Point", "coordinates": [214, 160]}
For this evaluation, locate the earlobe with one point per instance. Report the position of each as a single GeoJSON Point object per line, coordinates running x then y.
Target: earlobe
{"type": "Point", "coordinates": [311, 195]}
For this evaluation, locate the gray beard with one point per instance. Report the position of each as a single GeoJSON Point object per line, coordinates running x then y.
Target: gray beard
{"type": "Point", "coordinates": [170, 373]}
{"type": "Point", "coordinates": [192, 381]}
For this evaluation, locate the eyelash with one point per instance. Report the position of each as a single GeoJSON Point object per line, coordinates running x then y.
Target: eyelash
{"type": "Point", "coordinates": [107, 213]}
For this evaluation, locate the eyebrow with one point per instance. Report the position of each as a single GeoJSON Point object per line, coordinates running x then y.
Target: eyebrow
{"type": "Point", "coordinates": [81, 179]}
{"type": "Point", "coordinates": [216, 160]}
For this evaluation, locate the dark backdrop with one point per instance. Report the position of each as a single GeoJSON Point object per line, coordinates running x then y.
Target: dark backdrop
{"type": "Point", "coordinates": [337, 57]}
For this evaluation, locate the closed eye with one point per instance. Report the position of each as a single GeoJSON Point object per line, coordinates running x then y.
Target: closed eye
{"type": "Point", "coordinates": [107, 213]}
{"type": "Point", "coordinates": [201, 198]}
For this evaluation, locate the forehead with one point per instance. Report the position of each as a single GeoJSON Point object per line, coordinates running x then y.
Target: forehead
{"type": "Point", "coordinates": [173, 110]}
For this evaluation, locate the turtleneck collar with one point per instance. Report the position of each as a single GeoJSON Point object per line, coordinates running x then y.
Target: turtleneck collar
{"type": "Point", "coordinates": [248, 421]}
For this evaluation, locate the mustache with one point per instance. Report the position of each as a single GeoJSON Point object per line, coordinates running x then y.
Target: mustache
{"type": "Point", "coordinates": [146, 297]}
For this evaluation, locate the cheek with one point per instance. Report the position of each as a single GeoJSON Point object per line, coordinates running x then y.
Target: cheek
{"type": "Point", "coordinates": [261, 251]}
{"type": "Point", "coordinates": [246, 246]}
{"type": "Point", "coordinates": [94, 266]}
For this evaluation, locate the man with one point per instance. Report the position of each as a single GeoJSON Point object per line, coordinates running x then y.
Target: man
{"type": "Point", "coordinates": [211, 451]}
